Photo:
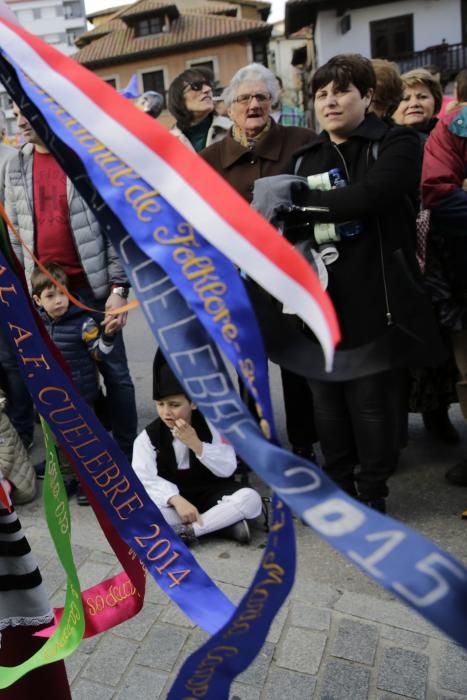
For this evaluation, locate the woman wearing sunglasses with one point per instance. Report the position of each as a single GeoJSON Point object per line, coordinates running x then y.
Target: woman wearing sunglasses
{"type": "Point", "coordinates": [191, 102]}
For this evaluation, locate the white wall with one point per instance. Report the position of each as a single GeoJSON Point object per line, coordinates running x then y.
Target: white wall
{"type": "Point", "coordinates": [280, 55]}
{"type": "Point", "coordinates": [434, 20]}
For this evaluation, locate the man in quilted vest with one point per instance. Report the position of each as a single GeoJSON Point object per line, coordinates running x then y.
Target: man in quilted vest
{"type": "Point", "coordinates": [55, 222]}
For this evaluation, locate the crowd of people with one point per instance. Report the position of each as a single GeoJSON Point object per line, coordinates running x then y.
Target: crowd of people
{"type": "Point", "coordinates": [376, 191]}
{"type": "Point", "coordinates": [375, 198]}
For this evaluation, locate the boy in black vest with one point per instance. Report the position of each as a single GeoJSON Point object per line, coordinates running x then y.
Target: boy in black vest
{"type": "Point", "coordinates": [187, 469]}
{"type": "Point", "coordinates": [79, 339]}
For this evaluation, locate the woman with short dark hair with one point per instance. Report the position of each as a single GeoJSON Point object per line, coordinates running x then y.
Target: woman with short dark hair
{"type": "Point", "coordinates": [190, 101]}
{"type": "Point", "coordinates": [385, 316]}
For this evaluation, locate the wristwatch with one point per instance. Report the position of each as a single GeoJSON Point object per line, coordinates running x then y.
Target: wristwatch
{"type": "Point", "coordinates": [121, 291]}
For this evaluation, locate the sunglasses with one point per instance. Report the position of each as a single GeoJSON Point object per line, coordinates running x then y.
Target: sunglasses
{"type": "Point", "coordinates": [197, 85]}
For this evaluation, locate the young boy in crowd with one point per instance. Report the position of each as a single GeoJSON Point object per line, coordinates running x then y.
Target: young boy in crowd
{"type": "Point", "coordinates": [187, 469]}
{"type": "Point", "coordinates": [79, 339]}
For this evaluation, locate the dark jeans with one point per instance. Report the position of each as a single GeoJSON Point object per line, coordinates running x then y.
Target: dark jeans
{"type": "Point", "coordinates": [118, 384]}
{"type": "Point", "coordinates": [20, 408]}
{"type": "Point", "coordinates": [299, 415]}
{"type": "Point", "coordinates": [358, 423]}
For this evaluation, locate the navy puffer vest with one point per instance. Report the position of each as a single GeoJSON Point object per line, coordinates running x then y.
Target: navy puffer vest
{"type": "Point", "coordinates": [66, 333]}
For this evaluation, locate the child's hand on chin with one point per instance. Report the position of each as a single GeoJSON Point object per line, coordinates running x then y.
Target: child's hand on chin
{"type": "Point", "coordinates": [184, 432]}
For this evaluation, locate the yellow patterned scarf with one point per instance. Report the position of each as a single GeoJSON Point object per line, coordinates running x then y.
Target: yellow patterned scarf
{"type": "Point", "coordinates": [249, 141]}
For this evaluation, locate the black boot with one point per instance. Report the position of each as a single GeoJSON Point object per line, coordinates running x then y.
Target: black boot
{"type": "Point", "coordinates": [437, 423]}
{"type": "Point", "coordinates": [186, 534]}
{"type": "Point", "coordinates": [307, 453]}
{"type": "Point", "coordinates": [378, 504]}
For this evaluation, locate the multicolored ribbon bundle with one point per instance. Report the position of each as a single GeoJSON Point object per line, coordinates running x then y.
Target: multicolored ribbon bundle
{"type": "Point", "coordinates": [177, 226]}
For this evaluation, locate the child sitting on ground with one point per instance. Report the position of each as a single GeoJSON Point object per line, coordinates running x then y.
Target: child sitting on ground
{"type": "Point", "coordinates": [79, 339]}
{"type": "Point", "coordinates": [187, 469]}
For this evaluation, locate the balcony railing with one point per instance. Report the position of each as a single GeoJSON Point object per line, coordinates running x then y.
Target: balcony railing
{"type": "Point", "coordinates": [450, 58]}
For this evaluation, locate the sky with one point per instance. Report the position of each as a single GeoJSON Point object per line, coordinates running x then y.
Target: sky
{"type": "Point", "coordinates": [277, 7]}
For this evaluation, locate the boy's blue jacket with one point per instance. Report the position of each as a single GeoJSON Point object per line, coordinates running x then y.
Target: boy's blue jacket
{"type": "Point", "coordinates": [76, 335]}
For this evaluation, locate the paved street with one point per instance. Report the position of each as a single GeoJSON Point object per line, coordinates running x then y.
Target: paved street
{"type": "Point", "coordinates": [338, 637]}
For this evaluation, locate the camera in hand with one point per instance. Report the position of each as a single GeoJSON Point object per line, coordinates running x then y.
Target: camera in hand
{"type": "Point", "coordinates": [298, 222]}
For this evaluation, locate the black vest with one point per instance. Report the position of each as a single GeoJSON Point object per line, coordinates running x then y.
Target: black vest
{"type": "Point", "coordinates": [187, 480]}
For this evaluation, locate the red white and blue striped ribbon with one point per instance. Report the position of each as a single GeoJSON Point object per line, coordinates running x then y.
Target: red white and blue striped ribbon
{"type": "Point", "coordinates": [183, 179]}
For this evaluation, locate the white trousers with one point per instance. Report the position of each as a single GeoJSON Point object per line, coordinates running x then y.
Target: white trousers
{"type": "Point", "coordinates": [243, 504]}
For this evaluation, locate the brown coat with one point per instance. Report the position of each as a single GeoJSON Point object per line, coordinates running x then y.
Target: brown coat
{"type": "Point", "coordinates": [241, 166]}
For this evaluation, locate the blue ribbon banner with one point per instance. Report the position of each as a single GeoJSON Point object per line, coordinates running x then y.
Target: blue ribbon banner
{"type": "Point", "coordinates": [209, 671]}
{"type": "Point", "coordinates": [404, 562]}
{"type": "Point", "coordinates": [104, 468]}
{"type": "Point", "coordinates": [281, 543]}
{"type": "Point", "coordinates": [205, 277]}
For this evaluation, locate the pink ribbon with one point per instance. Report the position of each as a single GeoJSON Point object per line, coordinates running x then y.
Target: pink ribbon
{"type": "Point", "coordinates": [116, 599]}
{"type": "Point", "coordinates": [105, 605]}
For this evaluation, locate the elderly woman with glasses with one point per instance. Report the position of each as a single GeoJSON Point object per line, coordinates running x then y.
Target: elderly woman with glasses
{"type": "Point", "coordinates": [190, 101]}
{"type": "Point", "coordinates": [255, 147]}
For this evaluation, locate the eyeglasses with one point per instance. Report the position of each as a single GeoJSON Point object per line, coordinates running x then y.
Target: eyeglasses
{"type": "Point", "coordinates": [197, 85]}
{"type": "Point", "coordinates": [258, 96]}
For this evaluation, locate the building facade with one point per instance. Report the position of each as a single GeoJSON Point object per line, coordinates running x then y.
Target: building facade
{"type": "Point", "coordinates": [388, 30]}
{"type": "Point", "coordinates": [411, 32]}
{"type": "Point", "coordinates": [157, 41]}
{"type": "Point", "coordinates": [58, 22]}
{"type": "Point", "coordinates": [285, 59]}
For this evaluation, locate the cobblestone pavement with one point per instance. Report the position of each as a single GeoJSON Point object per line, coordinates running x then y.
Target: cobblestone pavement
{"type": "Point", "coordinates": [327, 642]}
{"type": "Point", "coordinates": [338, 637]}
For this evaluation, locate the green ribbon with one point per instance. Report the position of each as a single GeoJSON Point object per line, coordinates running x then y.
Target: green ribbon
{"type": "Point", "coordinates": [70, 631]}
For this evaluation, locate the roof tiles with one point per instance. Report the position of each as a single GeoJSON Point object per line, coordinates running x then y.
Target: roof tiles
{"type": "Point", "coordinates": [115, 42]}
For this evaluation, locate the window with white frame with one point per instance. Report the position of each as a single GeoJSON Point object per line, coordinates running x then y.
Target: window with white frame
{"type": "Point", "coordinates": [72, 9]}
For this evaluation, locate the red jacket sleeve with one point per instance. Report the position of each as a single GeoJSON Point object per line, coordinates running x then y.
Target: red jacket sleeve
{"type": "Point", "coordinates": [443, 173]}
